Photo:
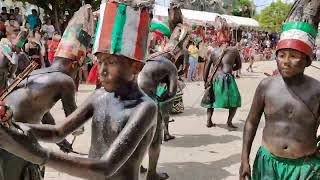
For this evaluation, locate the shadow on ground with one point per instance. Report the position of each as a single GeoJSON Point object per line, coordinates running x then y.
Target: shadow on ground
{"type": "Point", "coordinates": [247, 76]}
{"type": "Point", "coordinates": [239, 124]}
{"type": "Point", "coordinates": [188, 141]}
{"type": "Point", "coordinates": [191, 111]}
{"type": "Point", "coordinates": [200, 171]}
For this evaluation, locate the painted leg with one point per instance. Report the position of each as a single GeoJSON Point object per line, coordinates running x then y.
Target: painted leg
{"type": "Point", "coordinates": [167, 136]}
{"type": "Point", "coordinates": [232, 113]}
{"type": "Point", "coordinates": [154, 152]}
{"type": "Point", "coordinates": [165, 115]}
{"type": "Point", "coordinates": [209, 116]}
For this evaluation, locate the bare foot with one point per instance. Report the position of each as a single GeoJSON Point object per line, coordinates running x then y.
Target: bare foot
{"type": "Point", "coordinates": [230, 125]}
{"type": "Point", "coordinates": [163, 176]}
{"type": "Point", "coordinates": [168, 137]}
{"type": "Point", "coordinates": [143, 169]}
{"type": "Point", "coordinates": [158, 176]}
{"type": "Point", "coordinates": [210, 124]}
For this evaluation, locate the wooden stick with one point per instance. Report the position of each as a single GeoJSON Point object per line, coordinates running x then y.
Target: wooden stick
{"type": "Point", "coordinates": [17, 81]}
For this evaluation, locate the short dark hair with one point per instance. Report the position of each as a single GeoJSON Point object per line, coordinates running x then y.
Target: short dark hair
{"type": "Point", "coordinates": [4, 8]}
{"type": "Point", "coordinates": [34, 10]}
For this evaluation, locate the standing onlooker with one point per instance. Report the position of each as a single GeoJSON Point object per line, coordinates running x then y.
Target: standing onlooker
{"type": "Point", "coordinates": [4, 14]}
{"type": "Point", "coordinates": [39, 40]}
{"type": "Point", "coordinates": [2, 28]}
{"type": "Point", "coordinates": [12, 26]}
{"type": "Point", "coordinates": [193, 60]}
{"type": "Point", "coordinates": [203, 48]}
{"type": "Point", "coordinates": [252, 53]}
{"type": "Point", "coordinates": [34, 49]}
{"type": "Point", "coordinates": [52, 46]}
{"type": "Point", "coordinates": [33, 20]}
{"type": "Point", "coordinates": [11, 12]}
{"type": "Point", "coordinates": [19, 18]}
{"type": "Point", "coordinates": [48, 28]}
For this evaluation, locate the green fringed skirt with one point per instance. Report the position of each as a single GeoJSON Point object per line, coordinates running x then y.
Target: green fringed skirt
{"type": "Point", "coordinates": [224, 93]}
{"type": "Point", "coordinates": [270, 167]}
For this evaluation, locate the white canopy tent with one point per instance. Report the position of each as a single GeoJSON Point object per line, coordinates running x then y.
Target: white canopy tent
{"type": "Point", "coordinates": [197, 17]}
{"type": "Point", "coordinates": [237, 21]}
{"type": "Point", "coordinates": [200, 17]}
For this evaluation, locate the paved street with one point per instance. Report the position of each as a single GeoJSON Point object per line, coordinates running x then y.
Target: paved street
{"type": "Point", "coordinates": [197, 153]}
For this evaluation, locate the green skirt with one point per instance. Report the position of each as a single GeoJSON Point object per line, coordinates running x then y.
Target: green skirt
{"type": "Point", "coordinates": [270, 167]}
{"type": "Point", "coordinates": [225, 93]}
{"type": "Point", "coordinates": [172, 106]}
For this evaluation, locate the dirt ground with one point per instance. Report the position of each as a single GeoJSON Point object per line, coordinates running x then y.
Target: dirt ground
{"type": "Point", "coordinates": [197, 153]}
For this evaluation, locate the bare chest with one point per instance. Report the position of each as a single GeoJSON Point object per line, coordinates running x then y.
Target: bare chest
{"type": "Point", "coordinates": [110, 117]}
{"type": "Point", "coordinates": [283, 104]}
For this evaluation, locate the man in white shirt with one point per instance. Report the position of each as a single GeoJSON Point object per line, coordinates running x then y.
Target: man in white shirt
{"type": "Point", "coordinates": [48, 28]}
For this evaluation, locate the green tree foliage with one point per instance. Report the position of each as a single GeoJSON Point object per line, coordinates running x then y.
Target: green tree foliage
{"type": "Point", "coordinates": [273, 16]}
{"type": "Point", "coordinates": [243, 8]}
{"type": "Point", "coordinates": [56, 8]}
{"type": "Point", "coordinates": [62, 5]}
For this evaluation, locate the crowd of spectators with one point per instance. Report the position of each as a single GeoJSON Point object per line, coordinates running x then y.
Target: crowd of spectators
{"type": "Point", "coordinates": [42, 39]}
{"type": "Point", "coordinates": [253, 45]}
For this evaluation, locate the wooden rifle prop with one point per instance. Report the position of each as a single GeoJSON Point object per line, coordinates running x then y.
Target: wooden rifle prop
{"type": "Point", "coordinates": [18, 80]}
{"type": "Point", "coordinates": [6, 113]}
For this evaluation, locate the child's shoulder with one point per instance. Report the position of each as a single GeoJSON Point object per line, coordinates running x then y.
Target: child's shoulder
{"type": "Point", "coordinates": [269, 81]}
{"type": "Point", "coordinates": [314, 83]}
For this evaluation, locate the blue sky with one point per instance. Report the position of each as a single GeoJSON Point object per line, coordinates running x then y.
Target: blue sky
{"type": "Point", "coordinates": [263, 3]}
{"type": "Point", "coordinates": [259, 3]}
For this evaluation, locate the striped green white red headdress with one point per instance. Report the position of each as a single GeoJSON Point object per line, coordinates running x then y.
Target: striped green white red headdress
{"type": "Point", "coordinates": [123, 29]}
{"type": "Point", "coordinates": [301, 28]}
{"type": "Point", "coordinates": [299, 36]}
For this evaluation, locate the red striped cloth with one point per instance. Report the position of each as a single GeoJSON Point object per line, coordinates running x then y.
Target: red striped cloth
{"type": "Point", "coordinates": [122, 30]}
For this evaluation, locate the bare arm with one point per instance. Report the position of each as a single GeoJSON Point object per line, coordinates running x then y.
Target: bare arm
{"type": "Point", "coordinates": [119, 152]}
{"type": "Point", "coordinates": [13, 65]}
{"type": "Point", "coordinates": [68, 98]}
{"type": "Point", "coordinates": [238, 63]}
{"type": "Point", "coordinates": [206, 71]}
{"type": "Point", "coordinates": [50, 133]}
{"type": "Point", "coordinates": [139, 124]}
{"type": "Point", "coordinates": [68, 103]}
{"type": "Point", "coordinates": [253, 121]}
